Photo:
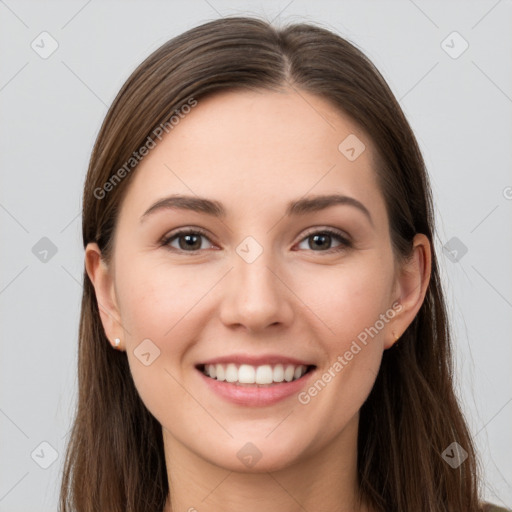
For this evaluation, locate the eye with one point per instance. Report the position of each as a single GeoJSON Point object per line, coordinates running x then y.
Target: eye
{"type": "Point", "coordinates": [188, 240]}
{"type": "Point", "coordinates": [322, 239]}
{"type": "Point", "coordinates": [191, 241]}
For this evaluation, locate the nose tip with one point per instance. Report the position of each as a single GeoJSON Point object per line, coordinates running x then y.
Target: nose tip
{"type": "Point", "coordinates": [256, 298]}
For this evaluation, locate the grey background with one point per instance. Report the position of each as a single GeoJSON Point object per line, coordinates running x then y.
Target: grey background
{"type": "Point", "coordinates": [51, 110]}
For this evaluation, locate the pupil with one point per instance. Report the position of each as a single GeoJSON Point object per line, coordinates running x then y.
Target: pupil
{"type": "Point", "coordinates": [324, 237]}
{"type": "Point", "coordinates": [189, 244]}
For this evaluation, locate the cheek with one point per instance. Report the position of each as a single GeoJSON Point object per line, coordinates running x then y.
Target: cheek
{"type": "Point", "coordinates": [354, 305]}
{"type": "Point", "coordinates": [157, 303]}
{"type": "Point", "coordinates": [349, 298]}
{"type": "Point", "coordinates": [156, 298]}
{"type": "Point", "coordinates": [352, 302]}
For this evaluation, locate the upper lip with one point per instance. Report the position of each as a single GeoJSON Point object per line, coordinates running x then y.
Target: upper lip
{"type": "Point", "coordinates": [259, 360]}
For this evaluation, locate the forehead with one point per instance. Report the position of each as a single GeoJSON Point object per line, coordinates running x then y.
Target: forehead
{"type": "Point", "coordinates": [253, 149]}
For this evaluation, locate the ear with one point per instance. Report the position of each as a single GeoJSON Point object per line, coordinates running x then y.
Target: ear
{"type": "Point", "coordinates": [103, 282]}
{"type": "Point", "coordinates": [412, 283]}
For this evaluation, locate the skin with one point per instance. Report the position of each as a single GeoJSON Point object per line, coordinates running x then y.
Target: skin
{"type": "Point", "coordinates": [254, 152]}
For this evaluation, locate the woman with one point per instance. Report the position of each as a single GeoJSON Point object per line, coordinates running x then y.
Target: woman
{"type": "Point", "coordinates": [263, 324]}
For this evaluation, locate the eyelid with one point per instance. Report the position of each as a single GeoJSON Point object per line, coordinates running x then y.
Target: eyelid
{"type": "Point", "coordinates": [325, 229]}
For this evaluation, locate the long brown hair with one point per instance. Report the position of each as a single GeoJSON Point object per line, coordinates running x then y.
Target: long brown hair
{"type": "Point", "coordinates": [115, 458]}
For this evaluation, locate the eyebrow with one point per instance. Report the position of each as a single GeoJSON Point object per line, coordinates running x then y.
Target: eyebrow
{"type": "Point", "coordinates": [214, 208]}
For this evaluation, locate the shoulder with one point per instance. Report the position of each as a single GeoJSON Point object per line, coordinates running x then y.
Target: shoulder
{"type": "Point", "coordinates": [489, 507]}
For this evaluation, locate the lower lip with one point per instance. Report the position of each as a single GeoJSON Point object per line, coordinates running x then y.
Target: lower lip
{"type": "Point", "coordinates": [256, 396]}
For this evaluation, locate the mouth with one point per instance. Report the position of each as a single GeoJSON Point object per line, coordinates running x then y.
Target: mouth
{"type": "Point", "coordinates": [261, 376]}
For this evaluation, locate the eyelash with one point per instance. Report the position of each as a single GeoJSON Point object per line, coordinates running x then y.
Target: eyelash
{"type": "Point", "coordinates": [344, 242]}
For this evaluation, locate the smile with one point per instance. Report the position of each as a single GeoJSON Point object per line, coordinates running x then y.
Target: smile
{"type": "Point", "coordinates": [247, 375]}
{"type": "Point", "coordinates": [254, 385]}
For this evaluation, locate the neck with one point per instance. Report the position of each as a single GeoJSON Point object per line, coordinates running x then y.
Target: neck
{"type": "Point", "coordinates": [323, 481]}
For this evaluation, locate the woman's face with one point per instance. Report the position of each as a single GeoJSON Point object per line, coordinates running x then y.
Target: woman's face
{"type": "Point", "coordinates": [260, 285]}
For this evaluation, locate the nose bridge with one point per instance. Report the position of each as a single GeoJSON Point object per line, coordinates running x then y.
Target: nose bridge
{"type": "Point", "coordinates": [255, 278]}
{"type": "Point", "coordinates": [257, 297]}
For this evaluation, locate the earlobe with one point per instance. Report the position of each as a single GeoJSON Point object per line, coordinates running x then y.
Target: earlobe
{"type": "Point", "coordinates": [413, 282]}
{"type": "Point", "coordinates": [103, 282]}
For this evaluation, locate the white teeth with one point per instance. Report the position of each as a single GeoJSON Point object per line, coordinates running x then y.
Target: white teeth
{"type": "Point", "coordinates": [278, 373]}
{"type": "Point", "coordinates": [289, 373]}
{"type": "Point", "coordinates": [248, 374]}
{"type": "Point", "coordinates": [231, 373]}
{"type": "Point", "coordinates": [264, 374]}
{"type": "Point", "coordinates": [219, 371]}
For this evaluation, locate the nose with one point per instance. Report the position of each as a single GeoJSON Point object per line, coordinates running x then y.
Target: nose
{"type": "Point", "coordinates": [256, 296]}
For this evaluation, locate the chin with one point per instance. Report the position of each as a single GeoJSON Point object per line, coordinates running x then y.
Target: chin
{"type": "Point", "coordinates": [259, 455]}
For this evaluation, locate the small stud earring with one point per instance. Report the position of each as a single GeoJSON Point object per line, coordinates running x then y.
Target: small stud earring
{"type": "Point", "coordinates": [116, 343]}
